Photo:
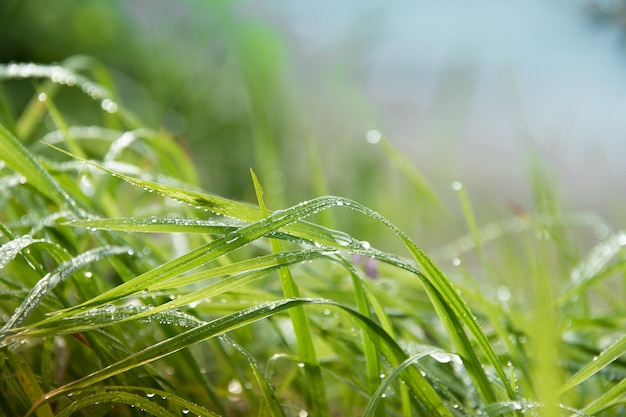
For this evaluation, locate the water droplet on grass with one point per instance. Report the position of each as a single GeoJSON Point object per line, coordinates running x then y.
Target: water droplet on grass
{"type": "Point", "coordinates": [109, 105]}
{"type": "Point", "coordinates": [457, 185]}
{"type": "Point", "coordinates": [230, 237]}
{"type": "Point", "coordinates": [301, 365]}
{"type": "Point", "coordinates": [150, 394]}
{"type": "Point", "coordinates": [42, 97]}
{"type": "Point", "coordinates": [373, 136]}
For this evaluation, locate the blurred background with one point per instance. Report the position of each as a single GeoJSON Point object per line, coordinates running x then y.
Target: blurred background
{"type": "Point", "coordinates": [481, 92]}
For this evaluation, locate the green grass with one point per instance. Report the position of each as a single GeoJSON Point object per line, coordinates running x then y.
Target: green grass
{"type": "Point", "coordinates": [128, 290]}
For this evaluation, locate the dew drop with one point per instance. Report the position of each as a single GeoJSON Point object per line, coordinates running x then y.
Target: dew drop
{"type": "Point", "coordinates": [503, 293]}
{"type": "Point", "coordinates": [150, 394]}
{"type": "Point", "coordinates": [235, 387]}
{"type": "Point", "coordinates": [340, 203]}
{"type": "Point", "coordinates": [42, 97]}
{"type": "Point", "coordinates": [457, 185]}
{"type": "Point", "coordinates": [231, 236]}
{"type": "Point", "coordinates": [373, 136]}
{"type": "Point", "coordinates": [109, 105]}
{"type": "Point", "coordinates": [303, 413]}
{"type": "Point", "coordinates": [301, 364]}
{"type": "Point", "coordinates": [365, 244]}
{"type": "Point", "coordinates": [185, 411]}
{"type": "Point", "coordinates": [456, 262]}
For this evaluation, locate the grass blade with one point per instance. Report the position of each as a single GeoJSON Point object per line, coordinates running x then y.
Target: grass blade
{"type": "Point", "coordinates": [600, 362]}
{"type": "Point", "coordinates": [300, 321]}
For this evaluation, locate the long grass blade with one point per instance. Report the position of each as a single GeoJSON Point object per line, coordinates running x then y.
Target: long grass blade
{"type": "Point", "coordinates": [300, 321]}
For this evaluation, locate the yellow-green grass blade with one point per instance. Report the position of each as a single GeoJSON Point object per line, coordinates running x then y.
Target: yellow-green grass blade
{"type": "Point", "coordinates": [600, 362]}
{"type": "Point", "coordinates": [300, 322]}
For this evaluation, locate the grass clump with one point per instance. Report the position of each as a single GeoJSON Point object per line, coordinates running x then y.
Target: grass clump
{"type": "Point", "coordinates": [126, 290]}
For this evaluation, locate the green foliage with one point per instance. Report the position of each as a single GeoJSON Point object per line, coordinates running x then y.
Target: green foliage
{"type": "Point", "coordinates": [127, 289]}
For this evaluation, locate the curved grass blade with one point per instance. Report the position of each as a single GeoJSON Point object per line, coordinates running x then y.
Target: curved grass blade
{"type": "Point", "coordinates": [22, 161]}
{"type": "Point", "coordinates": [389, 379]}
{"type": "Point", "coordinates": [451, 308]}
{"type": "Point", "coordinates": [600, 362]}
{"type": "Point", "coordinates": [145, 401]}
{"type": "Point", "coordinates": [119, 397]}
{"type": "Point", "coordinates": [269, 395]}
{"type": "Point", "coordinates": [50, 280]}
{"type": "Point", "coordinates": [385, 344]}
{"type": "Point", "coordinates": [64, 76]}
{"type": "Point", "coordinates": [10, 250]}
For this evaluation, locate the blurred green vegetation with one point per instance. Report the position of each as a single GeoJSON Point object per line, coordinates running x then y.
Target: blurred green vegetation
{"type": "Point", "coordinates": [221, 80]}
{"type": "Point", "coordinates": [202, 70]}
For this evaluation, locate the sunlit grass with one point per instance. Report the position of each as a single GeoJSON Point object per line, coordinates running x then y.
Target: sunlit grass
{"type": "Point", "coordinates": [128, 290]}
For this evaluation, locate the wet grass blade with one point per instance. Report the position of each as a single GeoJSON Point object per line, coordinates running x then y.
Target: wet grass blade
{"type": "Point", "coordinates": [300, 322]}
{"type": "Point", "coordinates": [269, 395]}
{"type": "Point", "coordinates": [384, 343]}
{"type": "Point", "coordinates": [51, 280]}
{"type": "Point", "coordinates": [22, 161]}
{"type": "Point", "coordinates": [393, 376]}
{"type": "Point", "coordinates": [118, 397]}
{"type": "Point", "coordinates": [600, 362]}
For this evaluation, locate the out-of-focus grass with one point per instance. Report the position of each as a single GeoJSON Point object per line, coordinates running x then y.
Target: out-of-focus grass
{"type": "Point", "coordinates": [127, 289]}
